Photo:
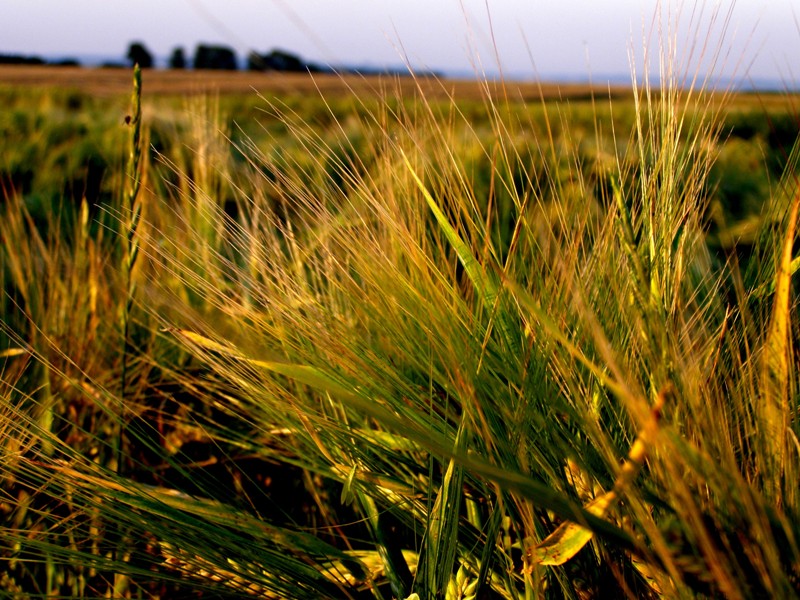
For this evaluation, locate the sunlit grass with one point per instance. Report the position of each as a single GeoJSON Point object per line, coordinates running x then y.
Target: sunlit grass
{"type": "Point", "coordinates": [405, 346]}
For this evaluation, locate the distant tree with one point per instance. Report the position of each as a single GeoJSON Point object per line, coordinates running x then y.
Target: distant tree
{"type": "Point", "coordinates": [214, 57]}
{"type": "Point", "coordinates": [16, 59]}
{"type": "Point", "coordinates": [178, 59]}
{"type": "Point", "coordinates": [66, 62]}
{"type": "Point", "coordinates": [277, 60]}
{"type": "Point", "coordinates": [256, 62]}
{"type": "Point", "coordinates": [285, 61]}
{"type": "Point", "coordinates": [138, 54]}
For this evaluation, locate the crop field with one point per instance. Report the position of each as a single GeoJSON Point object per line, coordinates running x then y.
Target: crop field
{"type": "Point", "coordinates": [282, 336]}
{"type": "Point", "coordinates": [111, 82]}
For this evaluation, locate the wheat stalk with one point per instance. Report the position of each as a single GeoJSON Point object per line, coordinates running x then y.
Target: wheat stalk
{"type": "Point", "coordinates": [131, 215]}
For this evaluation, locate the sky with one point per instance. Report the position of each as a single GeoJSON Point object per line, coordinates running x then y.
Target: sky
{"type": "Point", "coordinates": [572, 39]}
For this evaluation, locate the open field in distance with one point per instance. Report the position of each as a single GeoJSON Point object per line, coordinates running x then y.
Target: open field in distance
{"type": "Point", "coordinates": [109, 82]}
{"type": "Point", "coordinates": [104, 82]}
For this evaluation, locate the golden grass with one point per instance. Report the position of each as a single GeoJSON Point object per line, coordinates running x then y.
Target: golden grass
{"type": "Point", "coordinates": [363, 320]}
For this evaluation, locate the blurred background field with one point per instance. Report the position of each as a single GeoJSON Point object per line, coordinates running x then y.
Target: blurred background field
{"type": "Point", "coordinates": [63, 126]}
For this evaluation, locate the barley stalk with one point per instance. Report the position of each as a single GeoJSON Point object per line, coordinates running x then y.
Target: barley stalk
{"type": "Point", "coordinates": [132, 212]}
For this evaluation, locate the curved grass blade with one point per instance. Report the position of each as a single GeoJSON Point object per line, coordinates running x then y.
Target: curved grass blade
{"type": "Point", "coordinates": [158, 503]}
{"type": "Point", "coordinates": [541, 494]}
{"type": "Point", "coordinates": [776, 376]}
{"type": "Point", "coordinates": [570, 537]}
{"type": "Point", "coordinates": [392, 557]}
{"type": "Point", "coordinates": [484, 281]}
{"type": "Point", "coordinates": [441, 541]}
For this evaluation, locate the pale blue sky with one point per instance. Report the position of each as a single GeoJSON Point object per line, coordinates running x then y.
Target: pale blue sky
{"type": "Point", "coordinates": [568, 37]}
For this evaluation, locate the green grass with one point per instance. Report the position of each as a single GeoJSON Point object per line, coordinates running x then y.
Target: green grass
{"type": "Point", "coordinates": [379, 348]}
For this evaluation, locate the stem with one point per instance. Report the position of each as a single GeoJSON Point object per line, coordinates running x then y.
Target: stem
{"type": "Point", "coordinates": [132, 211]}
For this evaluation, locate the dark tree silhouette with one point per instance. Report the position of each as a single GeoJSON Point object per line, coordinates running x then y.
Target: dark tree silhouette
{"type": "Point", "coordinates": [66, 62]}
{"type": "Point", "coordinates": [214, 57]}
{"type": "Point", "coordinates": [277, 60]}
{"type": "Point", "coordinates": [256, 62]}
{"type": "Point", "coordinates": [16, 59]}
{"type": "Point", "coordinates": [138, 54]}
{"type": "Point", "coordinates": [178, 59]}
{"type": "Point", "coordinates": [285, 61]}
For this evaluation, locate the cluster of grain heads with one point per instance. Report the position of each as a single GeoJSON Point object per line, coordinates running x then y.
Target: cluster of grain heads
{"type": "Point", "coordinates": [483, 370]}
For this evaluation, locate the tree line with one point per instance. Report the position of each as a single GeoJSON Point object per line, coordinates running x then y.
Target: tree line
{"type": "Point", "coordinates": [208, 56]}
{"type": "Point", "coordinates": [216, 57]}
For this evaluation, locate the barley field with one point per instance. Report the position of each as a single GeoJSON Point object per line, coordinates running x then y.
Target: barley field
{"type": "Point", "coordinates": [280, 336]}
